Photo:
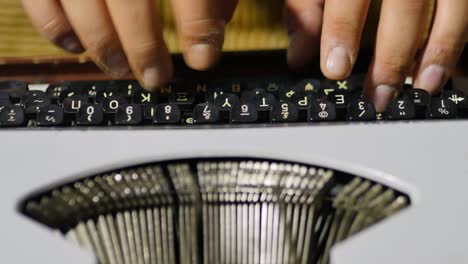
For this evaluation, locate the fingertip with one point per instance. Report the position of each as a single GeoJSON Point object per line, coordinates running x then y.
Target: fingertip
{"type": "Point", "coordinates": [337, 64]}
{"type": "Point", "coordinates": [156, 75]}
{"type": "Point", "coordinates": [202, 56]}
{"type": "Point", "coordinates": [432, 78]}
{"type": "Point", "coordinates": [70, 43]}
{"type": "Point", "coordinates": [381, 96]}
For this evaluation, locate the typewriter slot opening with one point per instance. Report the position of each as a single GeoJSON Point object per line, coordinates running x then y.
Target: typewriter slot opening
{"type": "Point", "coordinates": [220, 210]}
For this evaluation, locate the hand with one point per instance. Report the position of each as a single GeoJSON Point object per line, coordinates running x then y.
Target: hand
{"type": "Point", "coordinates": [124, 35]}
{"type": "Point", "coordinates": [335, 27]}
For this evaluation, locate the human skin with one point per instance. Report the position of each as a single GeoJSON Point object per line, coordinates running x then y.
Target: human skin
{"type": "Point", "coordinates": [123, 36]}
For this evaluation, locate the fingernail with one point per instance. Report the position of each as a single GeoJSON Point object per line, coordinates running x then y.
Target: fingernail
{"type": "Point", "coordinates": [338, 62]}
{"type": "Point", "coordinates": [432, 78]}
{"type": "Point", "coordinates": [116, 64]}
{"type": "Point", "coordinates": [153, 76]}
{"type": "Point", "coordinates": [203, 55]}
{"type": "Point", "coordinates": [71, 43]}
{"type": "Point", "coordinates": [382, 96]}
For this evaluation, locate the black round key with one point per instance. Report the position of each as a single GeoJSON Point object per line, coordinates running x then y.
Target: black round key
{"type": "Point", "coordinates": [69, 92]}
{"type": "Point", "coordinates": [15, 89]}
{"type": "Point", "coordinates": [90, 115]}
{"type": "Point", "coordinates": [442, 108]}
{"type": "Point", "coordinates": [303, 100]}
{"type": "Point", "coordinates": [5, 99]}
{"type": "Point", "coordinates": [73, 103]}
{"type": "Point", "coordinates": [400, 109]}
{"type": "Point", "coordinates": [212, 92]}
{"type": "Point", "coordinates": [361, 110]}
{"type": "Point", "coordinates": [251, 94]}
{"type": "Point", "coordinates": [244, 113]}
{"type": "Point", "coordinates": [308, 86]}
{"type": "Point", "coordinates": [420, 97]}
{"type": "Point", "coordinates": [54, 90]}
{"type": "Point", "coordinates": [12, 115]}
{"type": "Point", "coordinates": [457, 97]}
{"type": "Point", "coordinates": [287, 93]}
{"type": "Point", "coordinates": [34, 100]}
{"type": "Point", "coordinates": [167, 114]}
{"type": "Point", "coordinates": [273, 85]}
{"type": "Point", "coordinates": [285, 112]}
{"type": "Point", "coordinates": [110, 104]}
{"type": "Point", "coordinates": [141, 96]}
{"type": "Point", "coordinates": [126, 88]}
{"type": "Point", "coordinates": [205, 113]}
{"type": "Point", "coordinates": [322, 110]}
{"type": "Point", "coordinates": [51, 115]}
{"type": "Point", "coordinates": [182, 98]}
{"type": "Point", "coordinates": [342, 98]}
{"type": "Point", "coordinates": [351, 84]}
{"type": "Point", "coordinates": [226, 101]}
{"type": "Point", "coordinates": [129, 114]}
{"type": "Point", "coordinates": [234, 86]}
{"type": "Point", "coordinates": [106, 92]}
{"type": "Point", "coordinates": [149, 112]}
{"type": "Point", "coordinates": [264, 101]}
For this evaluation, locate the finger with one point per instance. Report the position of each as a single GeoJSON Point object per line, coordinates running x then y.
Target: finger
{"type": "Point", "coordinates": [94, 27]}
{"type": "Point", "coordinates": [139, 28]}
{"type": "Point", "coordinates": [446, 42]}
{"type": "Point", "coordinates": [343, 23]}
{"type": "Point", "coordinates": [304, 23]}
{"type": "Point", "coordinates": [399, 34]}
{"type": "Point", "coordinates": [48, 18]}
{"type": "Point", "coordinates": [200, 24]}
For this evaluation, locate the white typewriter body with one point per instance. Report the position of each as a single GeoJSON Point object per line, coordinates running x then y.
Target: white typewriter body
{"type": "Point", "coordinates": [428, 160]}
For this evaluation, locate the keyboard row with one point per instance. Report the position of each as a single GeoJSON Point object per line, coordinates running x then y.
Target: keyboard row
{"type": "Point", "coordinates": [272, 101]}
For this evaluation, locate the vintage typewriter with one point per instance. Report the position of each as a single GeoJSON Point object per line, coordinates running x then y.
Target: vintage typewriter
{"type": "Point", "coordinates": [246, 163]}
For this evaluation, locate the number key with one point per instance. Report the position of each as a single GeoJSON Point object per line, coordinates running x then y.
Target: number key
{"type": "Point", "coordinates": [361, 110]}
{"type": "Point", "coordinates": [205, 113]}
{"type": "Point", "coordinates": [322, 110]}
{"type": "Point", "coordinates": [285, 112]}
{"type": "Point", "coordinates": [128, 114]}
{"type": "Point", "coordinates": [167, 114]}
{"type": "Point", "coordinates": [90, 115]}
{"type": "Point", "coordinates": [442, 108]}
{"type": "Point", "coordinates": [244, 113]}
{"type": "Point", "coordinates": [401, 109]}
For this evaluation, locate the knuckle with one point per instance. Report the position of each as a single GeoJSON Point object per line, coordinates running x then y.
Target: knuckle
{"type": "Point", "coordinates": [202, 31]}
{"type": "Point", "coordinates": [54, 28]}
{"type": "Point", "coordinates": [144, 50]}
{"type": "Point", "coordinates": [441, 52]}
{"type": "Point", "coordinates": [98, 43]}
{"type": "Point", "coordinates": [344, 28]}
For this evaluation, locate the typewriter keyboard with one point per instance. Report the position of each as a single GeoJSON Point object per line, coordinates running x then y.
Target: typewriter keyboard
{"type": "Point", "coordinates": [237, 101]}
{"type": "Point", "coordinates": [246, 88]}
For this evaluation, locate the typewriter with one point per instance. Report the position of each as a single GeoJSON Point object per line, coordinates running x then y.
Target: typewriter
{"type": "Point", "coordinates": [246, 163]}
